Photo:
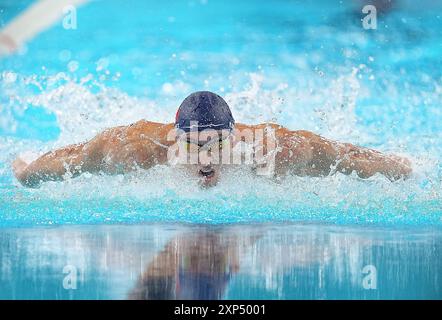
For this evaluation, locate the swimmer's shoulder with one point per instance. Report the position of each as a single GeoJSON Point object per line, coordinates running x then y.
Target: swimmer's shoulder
{"type": "Point", "coordinates": [275, 126]}
{"type": "Point", "coordinates": [150, 125]}
{"type": "Point", "coordinates": [280, 129]}
{"type": "Point", "coordinates": [149, 128]}
{"type": "Point", "coordinates": [305, 134]}
{"type": "Point", "coordinates": [134, 132]}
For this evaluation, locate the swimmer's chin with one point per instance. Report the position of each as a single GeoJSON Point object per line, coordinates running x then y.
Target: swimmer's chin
{"type": "Point", "coordinates": [207, 182]}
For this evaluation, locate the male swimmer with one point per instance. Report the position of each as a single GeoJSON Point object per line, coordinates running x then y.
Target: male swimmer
{"type": "Point", "coordinates": [204, 125]}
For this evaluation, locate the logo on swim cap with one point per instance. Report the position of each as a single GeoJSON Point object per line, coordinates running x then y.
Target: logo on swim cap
{"type": "Point", "coordinates": [205, 108]}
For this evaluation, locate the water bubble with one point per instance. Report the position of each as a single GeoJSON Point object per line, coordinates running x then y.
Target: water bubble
{"type": "Point", "coordinates": [236, 61]}
{"type": "Point", "coordinates": [73, 66]}
{"type": "Point", "coordinates": [102, 64]}
{"type": "Point", "coordinates": [167, 88]}
{"type": "Point", "coordinates": [9, 76]}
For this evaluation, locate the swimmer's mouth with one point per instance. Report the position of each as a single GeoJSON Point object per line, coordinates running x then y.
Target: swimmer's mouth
{"type": "Point", "coordinates": [208, 173]}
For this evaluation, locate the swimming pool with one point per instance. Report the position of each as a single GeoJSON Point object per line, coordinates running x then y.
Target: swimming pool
{"type": "Point", "coordinates": [307, 65]}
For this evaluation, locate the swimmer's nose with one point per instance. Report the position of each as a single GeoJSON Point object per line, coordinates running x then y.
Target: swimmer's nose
{"type": "Point", "coordinates": [205, 161]}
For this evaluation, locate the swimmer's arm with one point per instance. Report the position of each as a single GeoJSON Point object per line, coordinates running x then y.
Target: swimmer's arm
{"type": "Point", "coordinates": [110, 152]}
{"type": "Point", "coordinates": [58, 164]}
{"type": "Point", "coordinates": [346, 158]}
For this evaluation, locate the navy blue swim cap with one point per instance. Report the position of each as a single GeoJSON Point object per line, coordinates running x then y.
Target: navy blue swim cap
{"type": "Point", "coordinates": [205, 108]}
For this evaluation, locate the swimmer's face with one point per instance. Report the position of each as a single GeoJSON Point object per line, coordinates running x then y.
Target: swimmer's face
{"type": "Point", "coordinates": [209, 155]}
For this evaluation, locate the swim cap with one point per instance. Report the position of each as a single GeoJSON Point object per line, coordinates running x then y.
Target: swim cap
{"type": "Point", "coordinates": [206, 110]}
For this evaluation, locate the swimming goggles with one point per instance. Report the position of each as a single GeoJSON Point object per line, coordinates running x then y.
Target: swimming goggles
{"type": "Point", "coordinates": [206, 145]}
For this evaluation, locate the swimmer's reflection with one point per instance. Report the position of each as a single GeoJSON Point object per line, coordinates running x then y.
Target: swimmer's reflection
{"type": "Point", "coordinates": [192, 266]}
{"type": "Point", "coordinates": [382, 6]}
{"type": "Point", "coordinates": [198, 265]}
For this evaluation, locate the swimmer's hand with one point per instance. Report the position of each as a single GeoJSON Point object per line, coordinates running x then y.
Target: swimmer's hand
{"type": "Point", "coordinates": [23, 172]}
{"type": "Point", "coordinates": [52, 166]}
{"type": "Point", "coordinates": [366, 163]}
{"type": "Point", "coordinates": [19, 167]}
{"type": "Point", "coordinates": [400, 168]}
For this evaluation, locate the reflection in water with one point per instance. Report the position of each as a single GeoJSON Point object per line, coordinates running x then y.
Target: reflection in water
{"type": "Point", "coordinates": [196, 265]}
{"type": "Point", "coordinates": [219, 262]}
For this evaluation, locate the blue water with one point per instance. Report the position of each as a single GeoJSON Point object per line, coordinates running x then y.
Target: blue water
{"type": "Point", "coordinates": [305, 64]}
{"type": "Point", "coordinates": [239, 261]}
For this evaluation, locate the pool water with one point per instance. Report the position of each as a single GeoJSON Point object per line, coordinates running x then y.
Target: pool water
{"type": "Point", "coordinates": [293, 261]}
{"type": "Point", "coordinates": [305, 64]}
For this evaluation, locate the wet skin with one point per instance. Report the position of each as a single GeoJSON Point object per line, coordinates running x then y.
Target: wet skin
{"type": "Point", "coordinates": [145, 144]}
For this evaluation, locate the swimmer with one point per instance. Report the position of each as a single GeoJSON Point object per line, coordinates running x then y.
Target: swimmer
{"type": "Point", "coordinates": [204, 127]}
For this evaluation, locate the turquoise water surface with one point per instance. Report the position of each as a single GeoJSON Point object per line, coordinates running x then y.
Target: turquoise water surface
{"type": "Point", "coordinates": [305, 64]}
{"type": "Point", "coordinates": [292, 261]}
